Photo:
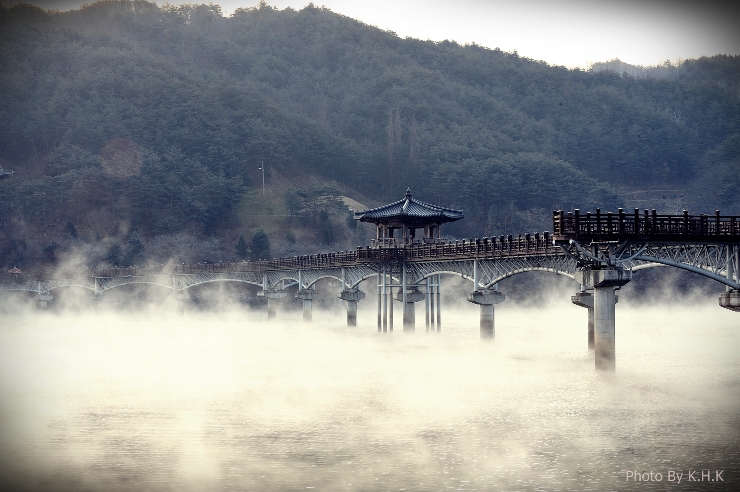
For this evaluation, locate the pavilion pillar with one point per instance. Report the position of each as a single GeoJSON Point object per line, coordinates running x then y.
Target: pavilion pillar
{"type": "Point", "coordinates": [426, 303]}
{"type": "Point", "coordinates": [380, 303]}
{"type": "Point", "coordinates": [439, 303]}
{"type": "Point", "coordinates": [385, 299]}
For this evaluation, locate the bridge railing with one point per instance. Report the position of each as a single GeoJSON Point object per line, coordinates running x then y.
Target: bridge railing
{"type": "Point", "coordinates": [475, 248]}
{"type": "Point", "coordinates": [646, 225]}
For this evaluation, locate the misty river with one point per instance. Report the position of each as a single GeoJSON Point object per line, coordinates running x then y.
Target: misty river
{"type": "Point", "coordinates": [145, 400]}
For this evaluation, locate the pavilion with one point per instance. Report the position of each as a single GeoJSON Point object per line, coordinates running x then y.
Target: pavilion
{"type": "Point", "coordinates": [407, 215]}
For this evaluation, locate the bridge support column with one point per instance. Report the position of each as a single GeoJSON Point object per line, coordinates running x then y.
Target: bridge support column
{"type": "Point", "coordinates": [439, 304]}
{"type": "Point", "coordinates": [730, 300]}
{"type": "Point", "coordinates": [180, 299]}
{"type": "Point", "coordinates": [409, 310]}
{"type": "Point", "coordinates": [272, 298]}
{"type": "Point", "coordinates": [44, 299]}
{"type": "Point", "coordinates": [586, 300]}
{"type": "Point", "coordinates": [486, 298]}
{"type": "Point", "coordinates": [352, 296]}
{"type": "Point", "coordinates": [307, 296]}
{"type": "Point", "coordinates": [604, 281]}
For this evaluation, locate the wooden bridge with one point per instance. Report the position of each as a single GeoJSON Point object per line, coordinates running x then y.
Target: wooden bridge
{"type": "Point", "coordinates": [598, 250]}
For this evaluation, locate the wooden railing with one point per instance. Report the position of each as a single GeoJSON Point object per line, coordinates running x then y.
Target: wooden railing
{"type": "Point", "coordinates": [526, 244]}
{"type": "Point", "coordinates": [467, 249]}
{"type": "Point", "coordinates": [645, 225]}
{"type": "Point", "coordinates": [648, 225]}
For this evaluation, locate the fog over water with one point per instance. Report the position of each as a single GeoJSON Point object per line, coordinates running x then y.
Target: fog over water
{"type": "Point", "coordinates": [142, 399]}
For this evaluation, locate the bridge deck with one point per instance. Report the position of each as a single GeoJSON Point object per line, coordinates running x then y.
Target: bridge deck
{"type": "Point", "coordinates": [649, 227]}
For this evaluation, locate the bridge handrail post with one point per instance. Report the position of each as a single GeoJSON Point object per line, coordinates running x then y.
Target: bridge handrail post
{"type": "Point", "coordinates": [656, 229]}
{"type": "Point", "coordinates": [598, 221]}
{"type": "Point", "coordinates": [686, 222]}
{"type": "Point", "coordinates": [716, 231]}
{"type": "Point", "coordinates": [576, 221]}
{"type": "Point", "coordinates": [620, 224]}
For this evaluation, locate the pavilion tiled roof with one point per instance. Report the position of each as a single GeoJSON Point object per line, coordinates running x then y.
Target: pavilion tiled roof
{"type": "Point", "coordinates": [410, 209]}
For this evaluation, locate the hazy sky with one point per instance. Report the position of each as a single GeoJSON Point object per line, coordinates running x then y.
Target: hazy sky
{"type": "Point", "coordinates": [566, 32]}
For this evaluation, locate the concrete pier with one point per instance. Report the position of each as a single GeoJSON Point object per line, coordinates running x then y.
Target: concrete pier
{"type": "Point", "coordinates": [412, 296]}
{"type": "Point", "coordinates": [307, 296]}
{"type": "Point", "coordinates": [730, 300]}
{"type": "Point", "coordinates": [486, 298]}
{"type": "Point", "coordinates": [586, 300]}
{"type": "Point", "coordinates": [604, 281]}
{"type": "Point", "coordinates": [44, 300]}
{"type": "Point", "coordinates": [272, 298]}
{"type": "Point", "coordinates": [180, 299]}
{"type": "Point", "coordinates": [352, 296]}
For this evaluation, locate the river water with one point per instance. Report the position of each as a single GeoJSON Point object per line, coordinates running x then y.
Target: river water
{"type": "Point", "coordinates": [227, 401]}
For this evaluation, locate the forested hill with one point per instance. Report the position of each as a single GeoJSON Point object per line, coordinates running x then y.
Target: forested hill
{"type": "Point", "coordinates": [159, 116]}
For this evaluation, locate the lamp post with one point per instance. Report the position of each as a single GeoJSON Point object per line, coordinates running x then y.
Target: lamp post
{"type": "Point", "coordinates": [262, 168]}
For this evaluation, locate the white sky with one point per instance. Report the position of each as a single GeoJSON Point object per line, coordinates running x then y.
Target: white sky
{"type": "Point", "coordinates": [561, 32]}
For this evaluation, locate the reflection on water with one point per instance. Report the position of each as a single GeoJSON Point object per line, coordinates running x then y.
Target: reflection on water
{"type": "Point", "coordinates": [231, 402]}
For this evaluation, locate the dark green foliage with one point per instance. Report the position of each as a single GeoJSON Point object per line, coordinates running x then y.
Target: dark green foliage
{"type": "Point", "coordinates": [134, 250]}
{"type": "Point", "coordinates": [351, 222]}
{"type": "Point", "coordinates": [309, 202]}
{"type": "Point", "coordinates": [115, 255]}
{"type": "Point", "coordinates": [16, 252]}
{"type": "Point", "coordinates": [70, 229]}
{"type": "Point", "coordinates": [260, 246]}
{"type": "Point", "coordinates": [241, 249]}
{"type": "Point", "coordinates": [203, 100]}
{"type": "Point", "coordinates": [50, 251]}
{"type": "Point", "coordinates": [326, 229]}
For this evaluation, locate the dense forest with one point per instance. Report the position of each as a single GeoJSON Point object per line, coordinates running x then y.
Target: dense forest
{"type": "Point", "coordinates": [140, 132]}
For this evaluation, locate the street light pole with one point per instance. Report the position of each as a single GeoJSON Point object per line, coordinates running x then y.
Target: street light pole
{"type": "Point", "coordinates": [263, 176]}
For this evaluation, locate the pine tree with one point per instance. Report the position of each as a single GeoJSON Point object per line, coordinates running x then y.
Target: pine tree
{"type": "Point", "coordinates": [241, 249]}
{"type": "Point", "coordinates": [114, 255]}
{"type": "Point", "coordinates": [260, 246]}
{"type": "Point", "coordinates": [71, 229]}
{"type": "Point", "coordinates": [134, 250]}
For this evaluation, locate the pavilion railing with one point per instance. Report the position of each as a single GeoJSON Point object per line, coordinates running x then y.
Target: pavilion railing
{"type": "Point", "coordinates": [637, 224]}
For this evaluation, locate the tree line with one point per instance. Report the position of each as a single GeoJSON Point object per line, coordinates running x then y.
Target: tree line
{"type": "Point", "coordinates": [126, 111]}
